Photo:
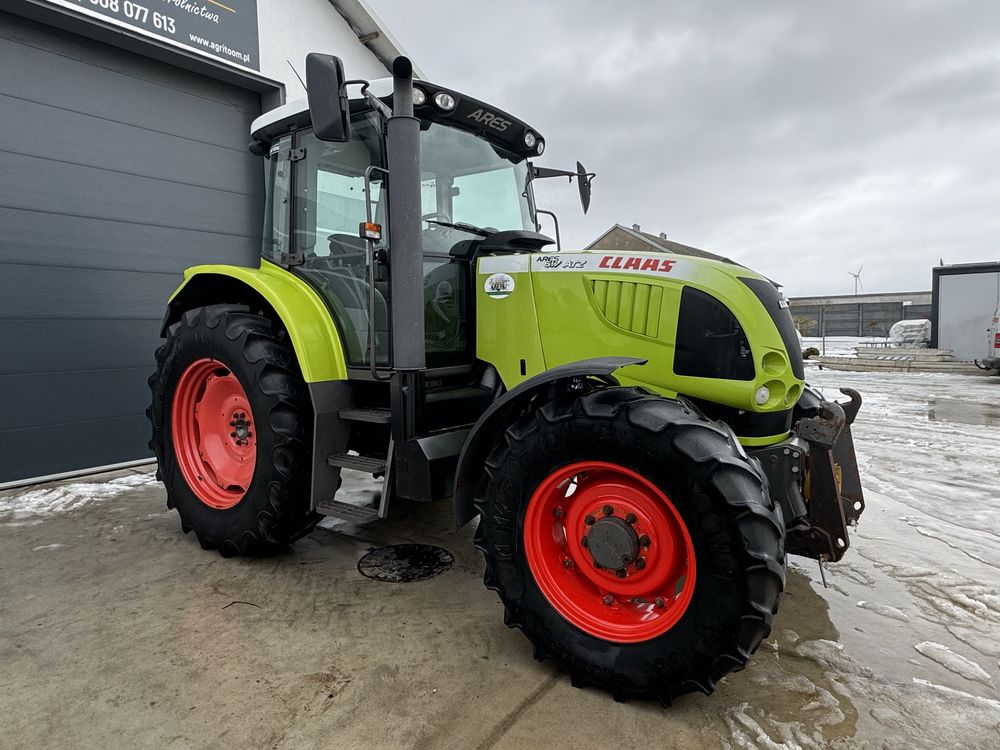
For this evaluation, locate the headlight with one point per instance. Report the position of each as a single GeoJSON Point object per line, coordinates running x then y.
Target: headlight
{"type": "Point", "coordinates": [445, 101]}
{"type": "Point", "coordinates": [529, 139]}
{"type": "Point", "coordinates": [541, 148]}
{"type": "Point", "coordinates": [419, 97]}
{"type": "Point", "coordinates": [762, 396]}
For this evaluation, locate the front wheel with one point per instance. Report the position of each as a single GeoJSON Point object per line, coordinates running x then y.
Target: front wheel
{"type": "Point", "coordinates": [232, 431]}
{"type": "Point", "coordinates": [632, 541]}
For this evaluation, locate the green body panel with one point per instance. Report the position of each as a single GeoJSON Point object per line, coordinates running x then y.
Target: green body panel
{"type": "Point", "coordinates": [579, 305]}
{"type": "Point", "coordinates": [304, 315]}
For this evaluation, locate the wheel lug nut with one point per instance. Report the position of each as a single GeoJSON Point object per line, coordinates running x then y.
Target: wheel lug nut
{"type": "Point", "coordinates": [631, 518]}
{"type": "Point", "coordinates": [620, 573]}
{"type": "Point", "coordinates": [567, 563]}
{"type": "Point", "coordinates": [659, 602]}
{"type": "Point", "coordinates": [557, 512]}
{"type": "Point", "coordinates": [640, 563]}
{"type": "Point", "coordinates": [644, 540]}
{"type": "Point", "coordinates": [232, 434]}
{"type": "Point", "coordinates": [589, 520]}
{"type": "Point", "coordinates": [584, 542]}
{"type": "Point", "coordinates": [608, 510]}
{"type": "Point", "coordinates": [608, 599]}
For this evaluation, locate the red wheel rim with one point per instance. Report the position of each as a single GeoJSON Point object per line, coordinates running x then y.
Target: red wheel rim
{"type": "Point", "coordinates": [213, 433]}
{"type": "Point", "coordinates": [649, 591]}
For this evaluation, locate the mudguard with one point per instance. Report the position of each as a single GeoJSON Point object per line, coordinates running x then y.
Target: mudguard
{"type": "Point", "coordinates": [502, 411]}
{"type": "Point", "coordinates": [303, 313]}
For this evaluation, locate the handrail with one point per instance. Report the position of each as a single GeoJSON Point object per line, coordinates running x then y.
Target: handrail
{"type": "Point", "coordinates": [555, 220]}
{"type": "Point", "coordinates": [370, 247]}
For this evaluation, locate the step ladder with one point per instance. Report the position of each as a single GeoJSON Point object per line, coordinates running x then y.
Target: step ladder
{"type": "Point", "coordinates": [362, 514]}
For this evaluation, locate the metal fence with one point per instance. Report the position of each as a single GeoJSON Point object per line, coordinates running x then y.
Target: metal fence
{"type": "Point", "coordinates": [854, 319]}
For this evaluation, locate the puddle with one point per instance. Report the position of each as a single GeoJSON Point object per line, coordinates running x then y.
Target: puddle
{"type": "Point", "coordinates": [965, 412]}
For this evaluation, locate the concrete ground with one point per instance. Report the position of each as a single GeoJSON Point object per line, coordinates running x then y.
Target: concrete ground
{"type": "Point", "coordinates": [116, 630]}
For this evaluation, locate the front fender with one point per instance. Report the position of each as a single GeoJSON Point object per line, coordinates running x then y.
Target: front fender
{"type": "Point", "coordinates": [496, 419]}
{"type": "Point", "coordinates": [303, 313]}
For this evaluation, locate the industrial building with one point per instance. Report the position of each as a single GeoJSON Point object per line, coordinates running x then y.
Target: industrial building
{"type": "Point", "coordinates": [857, 314]}
{"type": "Point", "coordinates": [125, 161]}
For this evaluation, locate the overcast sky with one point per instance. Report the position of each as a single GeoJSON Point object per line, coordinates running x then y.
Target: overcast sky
{"type": "Point", "coordinates": [801, 139]}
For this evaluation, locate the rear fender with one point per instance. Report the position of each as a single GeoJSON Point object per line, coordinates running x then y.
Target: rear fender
{"type": "Point", "coordinates": [300, 309]}
{"type": "Point", "coordinates": [505, 409]}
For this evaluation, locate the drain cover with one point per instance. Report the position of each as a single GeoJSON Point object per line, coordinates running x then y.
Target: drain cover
{"type": "Point", "coordinates": [404, 563]}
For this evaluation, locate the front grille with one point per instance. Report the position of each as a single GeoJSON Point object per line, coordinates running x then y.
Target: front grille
{"type": "Point", "coordinates": [629, 305]}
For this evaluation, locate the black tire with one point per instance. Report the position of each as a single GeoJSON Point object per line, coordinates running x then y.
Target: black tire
{"type": "Point", "coordinates": [275, 509]}
{"type": "Point", "coordinates": [721, 495]}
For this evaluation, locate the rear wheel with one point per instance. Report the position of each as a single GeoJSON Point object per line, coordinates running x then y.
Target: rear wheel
{"type": "Point", "coordinates": [632, 541]}
{"type": "Point", "coordinates": [232, 431]}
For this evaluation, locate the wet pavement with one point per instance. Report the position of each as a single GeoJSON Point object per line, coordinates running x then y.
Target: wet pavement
{"type": "Point", "coordinates": [116, 629]}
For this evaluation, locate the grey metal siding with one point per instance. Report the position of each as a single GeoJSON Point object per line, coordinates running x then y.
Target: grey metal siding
{"type": "Point", "coordinates": [117, 173]}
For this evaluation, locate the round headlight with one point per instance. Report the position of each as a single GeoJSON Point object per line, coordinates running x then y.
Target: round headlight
{"type": "Point", "coordinates": [445, 100]}
{"type": "Point", "coordinates": [529, 139]}
{"type": "Point", "coordinates": [419, 96]}
{"type": "Point", "coordinates": [541, 148]}
{"type": "Point", "coordinates": [762, 396]}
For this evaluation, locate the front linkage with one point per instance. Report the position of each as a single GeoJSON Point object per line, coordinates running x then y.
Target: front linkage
{"type": "Point", "coordinates": [814, 477]}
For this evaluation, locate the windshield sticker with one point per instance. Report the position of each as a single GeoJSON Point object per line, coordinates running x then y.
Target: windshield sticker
{"type": "Point", "coordinates": [499, 285]}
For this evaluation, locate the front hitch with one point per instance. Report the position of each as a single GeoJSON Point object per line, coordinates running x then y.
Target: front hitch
{"type": "Point", "coordinates": [832, 483]}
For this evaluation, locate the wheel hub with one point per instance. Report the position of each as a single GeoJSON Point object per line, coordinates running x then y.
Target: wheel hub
{"type": "Point", "coordinates": [212, 429]}
{"type": "Point", "coordinates": [612, 543]}
{"type": "Point", "coordinates": [609, 551]}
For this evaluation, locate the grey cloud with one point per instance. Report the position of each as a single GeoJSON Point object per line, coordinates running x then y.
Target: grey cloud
{"type": "Point", "coordinates": [799, 138]}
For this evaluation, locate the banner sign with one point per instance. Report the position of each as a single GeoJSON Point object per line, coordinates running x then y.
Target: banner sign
{"type": "Point", "coordinates": [223, 29]}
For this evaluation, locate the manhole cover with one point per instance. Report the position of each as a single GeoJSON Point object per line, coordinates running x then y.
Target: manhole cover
{"type": "Point", "coordinates": [403, 563]}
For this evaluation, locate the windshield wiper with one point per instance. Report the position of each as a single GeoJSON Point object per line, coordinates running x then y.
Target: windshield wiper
{"type": "Point", "coordinates": [470, 228]}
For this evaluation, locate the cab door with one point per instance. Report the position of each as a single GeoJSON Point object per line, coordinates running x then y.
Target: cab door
{"type": "Point", "coordinates": [328, 205]}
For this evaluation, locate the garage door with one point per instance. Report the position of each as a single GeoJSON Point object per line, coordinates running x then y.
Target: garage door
{"type": "Point", "coordinates": [116, 172]}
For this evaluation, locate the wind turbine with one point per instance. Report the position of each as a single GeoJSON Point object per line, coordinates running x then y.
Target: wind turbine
{"type": "Point", "coordinates": [857, 278]}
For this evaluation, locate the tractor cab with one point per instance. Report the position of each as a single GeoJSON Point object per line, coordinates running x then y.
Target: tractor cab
{"type": "Point", "coordinates": [327, 214]}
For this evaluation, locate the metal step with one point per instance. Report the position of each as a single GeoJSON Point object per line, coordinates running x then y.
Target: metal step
{"type": "Point", "coordinates": [367, 464]}
{"type": "Point", "coordinates": [375, 415]}
{"type": "Point", "coordinates": [355, 514]}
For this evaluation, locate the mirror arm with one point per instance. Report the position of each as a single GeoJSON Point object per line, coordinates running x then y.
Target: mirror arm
{"type": "Point", "coordinates": [377, 104]}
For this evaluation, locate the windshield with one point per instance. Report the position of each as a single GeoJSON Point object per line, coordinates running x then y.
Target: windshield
{"type": "Point", "coordinates": [465, 180]}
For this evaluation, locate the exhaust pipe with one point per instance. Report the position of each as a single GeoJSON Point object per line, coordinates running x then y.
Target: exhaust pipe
{"type": "Point", "coordinates": [406, 263]}
{"type": "Point", "coordinates": [406, 253]}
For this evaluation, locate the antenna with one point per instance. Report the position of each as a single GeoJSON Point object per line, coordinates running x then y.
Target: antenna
{"type": "Point", "coordinates": [297, 74]}
{"type": "Point", "coordinates": [857, 278]}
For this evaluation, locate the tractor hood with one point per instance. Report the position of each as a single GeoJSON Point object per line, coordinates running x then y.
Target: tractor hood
{"type": "Point", "coordinates": [710, 330]}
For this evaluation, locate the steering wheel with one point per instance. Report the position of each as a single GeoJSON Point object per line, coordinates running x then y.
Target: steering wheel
{"type": "Point", "coordinates": [436, 216]}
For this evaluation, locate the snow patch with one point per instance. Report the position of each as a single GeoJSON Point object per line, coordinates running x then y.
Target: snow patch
{"type": "Point", "coordinates": [953, 662]}
{"type": "Point", "coordinates": [47, 546]}
{"type": "Point", "coordinates": [885, 610]}
{"type": "Point", "coordinates": [746, 728]}
{"type": "Point", "coordinates": [67, 497]}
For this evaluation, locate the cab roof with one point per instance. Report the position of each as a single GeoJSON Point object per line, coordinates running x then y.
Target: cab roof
{"type": "Point", "coordinates": [494, 125]}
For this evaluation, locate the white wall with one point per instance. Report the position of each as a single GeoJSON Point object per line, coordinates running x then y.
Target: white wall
{"type": "Point", "coordinates": [966, 303]}
{"type": "Point", "coordinates": [290, 29]}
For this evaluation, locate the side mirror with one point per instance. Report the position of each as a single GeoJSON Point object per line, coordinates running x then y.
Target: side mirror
{"type": "Point", "coordinates": [328, 107]}
{"type": "Point", "coordinates": [583, 183]}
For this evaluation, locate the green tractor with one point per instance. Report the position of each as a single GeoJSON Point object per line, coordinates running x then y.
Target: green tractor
{"type": "Point", "coordinates": [631, 430]}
